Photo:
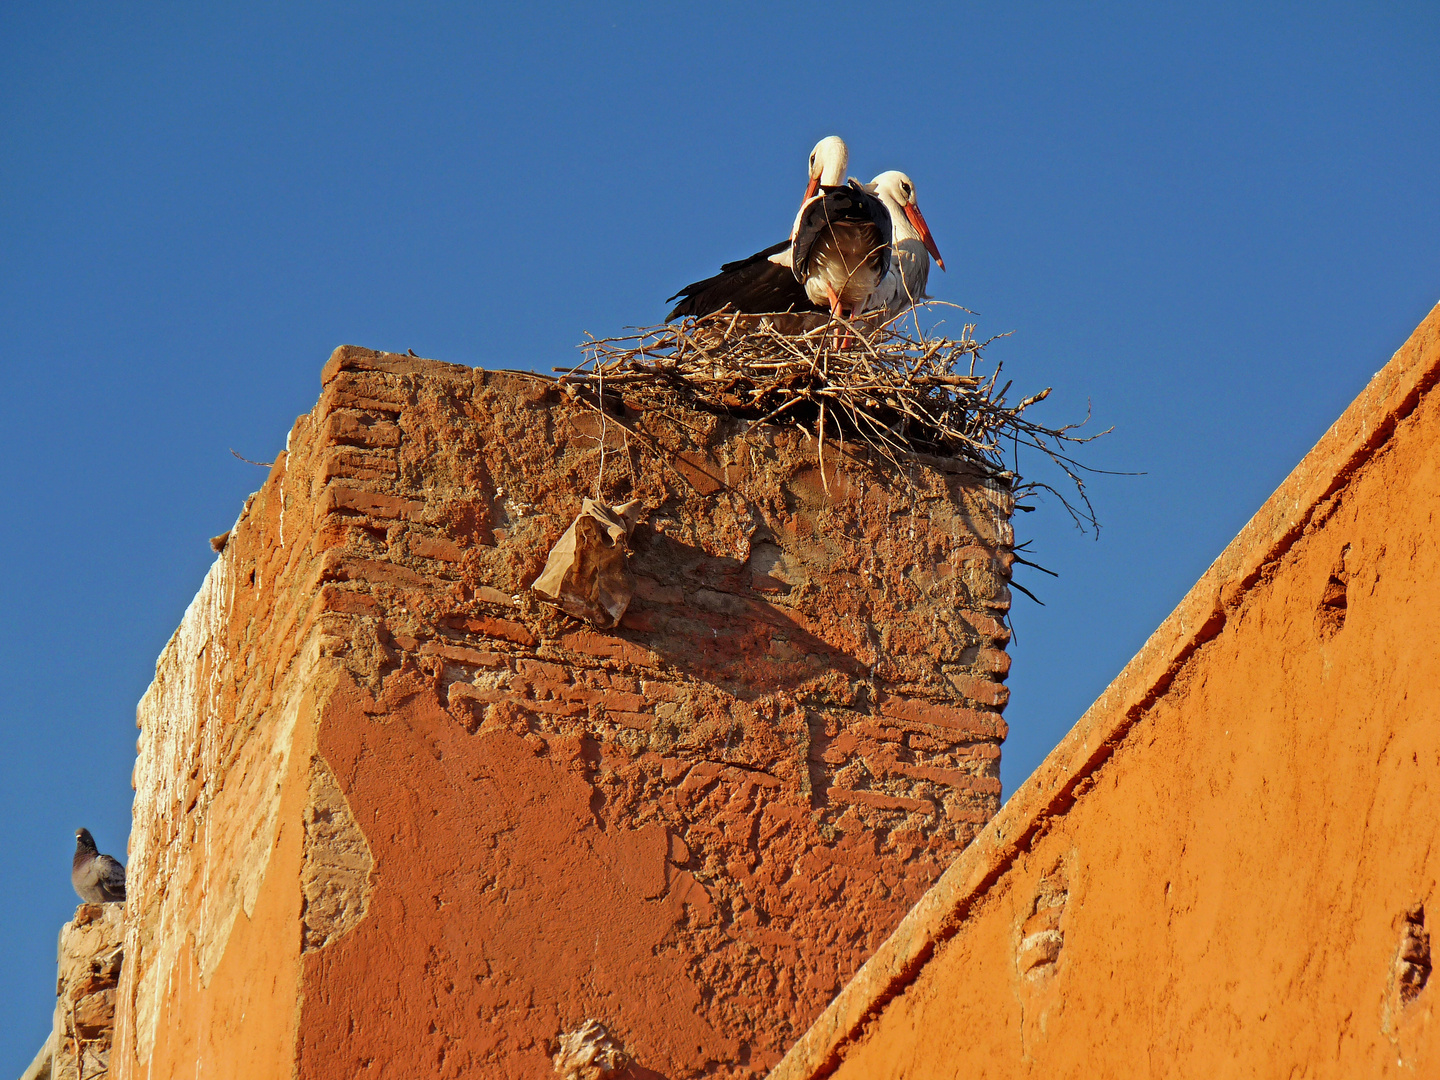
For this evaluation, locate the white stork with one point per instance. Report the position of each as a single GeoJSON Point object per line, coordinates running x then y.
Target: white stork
{"type": "Point", "coordinates": [904, 285]}
{"type": "Point", "coordinates": [764, 283]}
{"type": "Point", "coordinates": [840, 248]}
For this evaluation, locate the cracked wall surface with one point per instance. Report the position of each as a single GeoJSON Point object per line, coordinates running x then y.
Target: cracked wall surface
{"type": "Point", "coordinates": [1229, 866]}
{"type": "Point", "coordinates": [335, 877]}
{"type": "Point", "coordinates": [393, 815]}
{"type": "Point", "coordinates": [91, 955]}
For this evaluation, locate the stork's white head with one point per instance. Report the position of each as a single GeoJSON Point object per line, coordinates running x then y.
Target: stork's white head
{"type": "Point", "coordinates": [828, 162]}
{"type": "Point", "coordinates": [899, 189]}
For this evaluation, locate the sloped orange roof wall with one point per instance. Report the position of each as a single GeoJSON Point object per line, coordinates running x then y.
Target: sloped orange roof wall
{"type": "Point", "coordinates": [1229, 865]}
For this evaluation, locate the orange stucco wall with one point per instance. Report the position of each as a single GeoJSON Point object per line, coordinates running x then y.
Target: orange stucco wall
{"type": "Point", "coordinates": [1225, 867]}
{"type": "Point", "coordinates": [212, 974]}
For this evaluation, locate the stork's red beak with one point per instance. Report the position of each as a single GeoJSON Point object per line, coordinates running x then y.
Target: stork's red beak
{"type": "Point", "coordinates": [918, 220]}
{"type": "Point", "coordinates": [810, 189]}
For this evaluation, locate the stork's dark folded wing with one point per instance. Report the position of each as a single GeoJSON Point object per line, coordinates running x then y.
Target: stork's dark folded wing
{"type": "Point", "coordinates": [849, 211]}
{"type": "Point", "coordinates": [753, 286]}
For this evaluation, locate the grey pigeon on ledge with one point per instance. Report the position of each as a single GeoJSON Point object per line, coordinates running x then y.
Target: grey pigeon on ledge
{"type": "Point", "coordinates": [98, 879]}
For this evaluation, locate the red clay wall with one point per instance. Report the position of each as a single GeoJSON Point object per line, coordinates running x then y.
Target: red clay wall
{"type": "Point", "coordinates": [394, 818]}
{"type": "Point", "coordinates": [1229, 867]}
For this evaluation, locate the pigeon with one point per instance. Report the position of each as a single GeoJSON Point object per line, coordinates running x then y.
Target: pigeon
{"type": "Point", "coordinates": [98, 879]}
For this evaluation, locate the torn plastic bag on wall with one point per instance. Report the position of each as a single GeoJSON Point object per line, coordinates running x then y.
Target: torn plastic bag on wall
{"type": "Point", "coordinates": [588, 572]}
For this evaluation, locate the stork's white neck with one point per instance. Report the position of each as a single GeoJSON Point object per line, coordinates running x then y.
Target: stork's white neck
{"type": "Point", "coordinates": [829, 160]}
{"type": "Point", "coordinates": [899, 223]}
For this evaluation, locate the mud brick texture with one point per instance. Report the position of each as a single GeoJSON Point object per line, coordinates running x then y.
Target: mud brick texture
{"type": "Point", "coordinates": [90, 958]}
{"type": "Point", "coordinates": [394, 818]}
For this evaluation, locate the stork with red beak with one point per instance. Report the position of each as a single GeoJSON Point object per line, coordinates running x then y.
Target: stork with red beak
{"type": "Point", "coordinates": [828, 162]}
{"type": "Point", "coordinates": [904, 285]}
{"type": "Point", "coordinates": [764, 283]}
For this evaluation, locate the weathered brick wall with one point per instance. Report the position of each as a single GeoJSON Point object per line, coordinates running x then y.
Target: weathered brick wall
{"type": "Point", "coordinates": [469, 823]}
{"type": "Point", "coordinates": [90, 955]}
{"type": "Point", "coordinates": [221, 779]}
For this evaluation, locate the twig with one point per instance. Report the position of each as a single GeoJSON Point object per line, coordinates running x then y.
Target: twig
{"type": "Point", "coordinates": [820, 447]}
{"type": "Point", "coordinates": [897, 390]}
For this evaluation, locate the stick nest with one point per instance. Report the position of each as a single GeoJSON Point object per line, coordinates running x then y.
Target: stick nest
{"type": "Point", "coordinates": [891, 385]}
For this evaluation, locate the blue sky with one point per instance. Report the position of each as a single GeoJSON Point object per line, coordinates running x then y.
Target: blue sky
{"type": "Point", "coordinates": [1212, 223]}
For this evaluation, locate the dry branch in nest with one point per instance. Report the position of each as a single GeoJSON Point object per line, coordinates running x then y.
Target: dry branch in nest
{"type": "Point", "coordinates": [899, 392]}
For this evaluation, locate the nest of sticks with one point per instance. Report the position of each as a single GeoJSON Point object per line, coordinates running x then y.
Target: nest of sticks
{"type": "Point", "coordinates": [891, 385]}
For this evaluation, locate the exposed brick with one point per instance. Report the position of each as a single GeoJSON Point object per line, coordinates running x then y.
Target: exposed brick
{"type": "Point", "coordinates": [355, 358]}
{"type": "Point", "coordinates": [635, 720]}
{"type": "Point", "coordinates": [557, 708]}
{"type": "Point", "coordinates": [435, 547]}
{"type": "Point", "coordinates": [757, 777]}
{"type": "Point", "coordinates": [981, 691]}
{"type": "Point", "coordinates": [342, 498]}
{"type": "Point", "coordinates": [496, 628]}
{"type": "Point", "coordinates": [546, 688]}
{"type": "Point", "coordinates": [981, 751]}
{"type": "Point", "coordinates": [462, 655]}
{"type": "Point", "coordinates": [969, 722]}
{"type": "Point", "coordinates": [880, 732]}
{"type": "Point", "coordinates": [91, 955]}
{"type": "Point", "coordinates": [973, 553]}
{"type": "Point", "coordinates": [337, 566]}
{"type": "Point", "coordinates": [351, 428]}
{"type": "Point", "coordinates": [956, 811]}
{"type": "Point", "coordinates": [486, 595]}
{"type": "Point", "coordinates": [618, 700]}
{"type": "Point", "coordinates": [539, 669]}
{"type": "Point", "coordinates": [593, 644]}
{"type": "Point", "coordinates": [333, 532]}
{"type": "Point", "coordinates": [357, 390]}
{"type": "Point", "coordinates": [988, 626]}
{"type": "Point", "coordinates": [347, 601]}
{"type": "Point", "coordinates": [476, 693]}
{"type": "Point", "coordinates": [995, 661]}
{"type": "Point", "coordinates": [661, 691]}
{"type": "Point", "coordinates": [611, 699]}
{"type": "Point", "coordinates": [879, 800]}
{"type": "Point", "coordinates": [701, 774]}
{"type": "Point", "coordinates": [955, 778]}
{"type": "Point", "coordinates": [349, 375]}
{"type": "Point", "coordinates": [764, 583]}
{"type": "Point", "coordinates": [968, 752]}
{"type": "Point", "coordinates": [350, 463]}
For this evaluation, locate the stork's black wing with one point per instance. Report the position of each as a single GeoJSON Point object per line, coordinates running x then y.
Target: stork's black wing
{"type": "Point", "coordinates": [849, 209]}
{"type": "Point", "coordinates": [740, 264]}
{"type": "Point", "coordinates": [753, 286]}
